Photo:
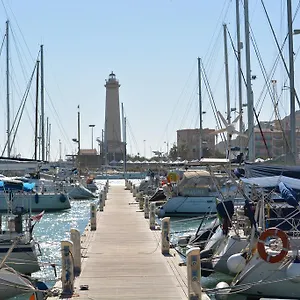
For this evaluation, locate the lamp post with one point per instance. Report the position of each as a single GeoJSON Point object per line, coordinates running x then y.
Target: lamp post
{"type": "Point", "coordinates": [92, 126]}
{"type": "Point", "coordinates": [144, 148]}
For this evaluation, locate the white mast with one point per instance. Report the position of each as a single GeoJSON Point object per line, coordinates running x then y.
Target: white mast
{"type": "Point", "coordinates": [42, 104]}
{"type": "Point", "coordinates": [200, 108]}
{"type": "Point", "coordinates": [227, 90]}
{"type": "Point", "coordinates": [7, 90]}
{"type": "Point", "coordinates": [293, 148]}
{"type": "Point", "coordinates": [251, 145]}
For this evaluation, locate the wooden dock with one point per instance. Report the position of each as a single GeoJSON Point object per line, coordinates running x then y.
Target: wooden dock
{"type": "Point", "coordinates": [122, 259]}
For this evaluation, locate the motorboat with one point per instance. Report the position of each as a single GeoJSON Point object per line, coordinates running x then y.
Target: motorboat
{"type": "Point", "coordinates": [195, 194]}
{"type": "Point", "coordinates": [76, 191]}
{"type": "Point", "coordinates": [91, 185]}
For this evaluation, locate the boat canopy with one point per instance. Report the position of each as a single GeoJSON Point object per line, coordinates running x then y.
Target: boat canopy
{"type": "Point", "coordinates": [262, 169]}
{"type": "Point", "coordinates": [273, 181]}
{"type": "Point", "coordinates": [16, 185]}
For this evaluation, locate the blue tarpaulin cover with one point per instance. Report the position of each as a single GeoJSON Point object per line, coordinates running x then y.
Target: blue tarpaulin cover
{"type": "Point", "coordinates": [16, 185]}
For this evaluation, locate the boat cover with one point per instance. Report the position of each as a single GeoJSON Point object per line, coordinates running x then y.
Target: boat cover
{"type": "Point", "coordinates": [273, 181]}
{"type": "Point", "coordinates": [260, 169]}
{"type": "Point", "coordinates": [16, 185]}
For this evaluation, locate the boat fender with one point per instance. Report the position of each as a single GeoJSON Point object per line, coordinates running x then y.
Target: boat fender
{"type": "Point", "coordinates": [36, 198]}
{"type": "Point", "coordinates": [236, 263]}
{"type": "Point", "coordinates": [273, 232]}
{"type": "Point", "coordinates": [62, 198]}
{"type": "Point", "coordinates": [222, 292]}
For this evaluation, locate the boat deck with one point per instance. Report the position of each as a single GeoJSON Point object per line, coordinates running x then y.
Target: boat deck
{"type": "Point", "coordinates": [122, 259]}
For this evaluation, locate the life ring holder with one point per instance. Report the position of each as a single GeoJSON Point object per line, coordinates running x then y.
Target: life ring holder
{"type": "Point", "coordinates": [275, 232]}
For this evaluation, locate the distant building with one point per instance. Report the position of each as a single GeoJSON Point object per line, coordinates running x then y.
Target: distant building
{"type": "Point", "coordinates": [188, 143]}
{"type": "Point", "coordinates": [88, 159]}
{"type": "Point", "coordinates": [112, 132]}
{"type": "Point", "coordinates": [272, 141]}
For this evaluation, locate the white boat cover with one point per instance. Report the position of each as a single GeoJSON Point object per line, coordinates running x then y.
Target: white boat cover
{"type": "Point", "coordinates": [273, 181]}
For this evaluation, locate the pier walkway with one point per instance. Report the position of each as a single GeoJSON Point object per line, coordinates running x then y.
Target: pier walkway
{"type": "Point", "coordinates": [122, 259]}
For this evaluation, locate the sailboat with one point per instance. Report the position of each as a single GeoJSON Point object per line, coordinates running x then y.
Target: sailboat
{"type": "Point", "coordinates": [16, 232]}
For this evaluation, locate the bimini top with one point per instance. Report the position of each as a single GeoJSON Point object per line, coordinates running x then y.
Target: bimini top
{"type": "Point", "coordinates": [16, 185]}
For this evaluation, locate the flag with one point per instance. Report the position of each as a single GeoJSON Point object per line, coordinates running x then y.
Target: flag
{"type": "Point", "coordinates": [37, 217]}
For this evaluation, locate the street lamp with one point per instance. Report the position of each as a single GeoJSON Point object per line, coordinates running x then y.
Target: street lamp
{"type": "Point", "coordinates": [92, 126]}
{"type": "Point", "coordinates": [145, 148]}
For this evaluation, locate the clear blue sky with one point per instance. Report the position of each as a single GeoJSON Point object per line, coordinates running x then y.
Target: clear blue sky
{"type": "Point", "coordinates": [152, 46]}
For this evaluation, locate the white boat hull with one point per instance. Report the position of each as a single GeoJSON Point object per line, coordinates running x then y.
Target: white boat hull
{"type": "Point", "coordinates": [23, 257]}
{"type": "Point", "coordinates": [259, 273]}
{"type": "Point", "coordinates": [188, 206]}
{"type": "Point", "coordinates": [79, 192]}
{"type": "Point", "coordinates": [229, 246]}
{"type": "Point", "coordinates": [12, 284]}
{"type": "Point", "coordinates": [36, 202]}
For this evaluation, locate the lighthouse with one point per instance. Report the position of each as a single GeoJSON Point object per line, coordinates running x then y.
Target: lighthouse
{"type": "Point", "coordinates": [112, 131]}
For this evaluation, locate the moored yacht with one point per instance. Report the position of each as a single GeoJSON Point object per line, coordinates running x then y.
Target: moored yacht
{"type": "Point", "coordinates": [195, 194]}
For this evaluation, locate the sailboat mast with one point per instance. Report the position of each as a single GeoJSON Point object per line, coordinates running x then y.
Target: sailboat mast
{"type": "Point", "coordinates": [251, 151]}
{"type": "Point", "coordinates": [292, 83]}
{"type": "Point", "coordinates": [239, 46]}
{"type": "Point", "coordinates": [200, 107]}
{"type": "Point", "coordinates": [226, 73]}
{"type": "Point", "coordinates": [59, 141]}
{"type": "Point", "coordinates": [78, 129]}
{"type": "Point", "coordinates": [47, 138]}
{"type": "Point", "coordinates": [7, 90]}
{"type": "Point", "coordinates": [36, 111]}
{"type": "Point", "coordinates": [42, 104]}
{"type": "Point", "coordinates": [227, 88]}
{"type": "Point", "coordinates": [49, 142]}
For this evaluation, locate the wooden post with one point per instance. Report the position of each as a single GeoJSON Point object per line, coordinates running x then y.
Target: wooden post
{"type": "Point", "coordinates": [134, 190]}
{"type": "Point", "coordinates": [165, 235]}
{"type": "Point", "coordinates": [93, 217]}
{"type": "Point", "coordinates": [194, 274]}
{"type": "Point", "coordinates": [75, 238]}
{"type": "Point", "coordinates": [152, 215]}
{"type": "Point", "coordinates": [103, 197]}
{"type": "Point", "coordinates": [141, 203]}
{"type": "Point", "coordinates": [101, 201]}
{"type": "Point", "coordinates": [146, 208]}
{"type": "Point", "coordinates": [67, 268]}
{"type": "Point", "coordinates": [107, 184]}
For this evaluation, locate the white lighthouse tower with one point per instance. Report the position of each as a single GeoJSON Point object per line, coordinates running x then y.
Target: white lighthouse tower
{"type": "Point", "coordinates": [114, 145]}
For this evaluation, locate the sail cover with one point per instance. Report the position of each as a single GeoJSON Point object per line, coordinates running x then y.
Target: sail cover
{"type": "Point", "coordinates": [273, 181]}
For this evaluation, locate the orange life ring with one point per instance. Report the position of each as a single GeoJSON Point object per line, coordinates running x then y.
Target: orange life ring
{"type": "Point", "coordinates": [261, 245]}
